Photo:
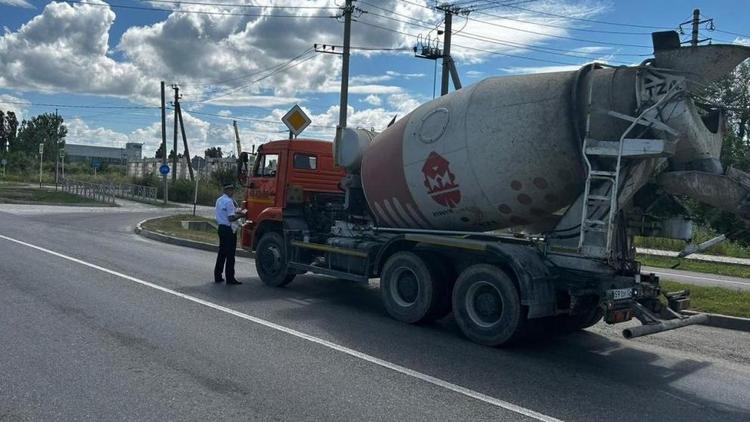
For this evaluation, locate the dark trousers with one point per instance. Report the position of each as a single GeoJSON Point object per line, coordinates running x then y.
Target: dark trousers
{"type": "Point", "coordinates": [227, 248]}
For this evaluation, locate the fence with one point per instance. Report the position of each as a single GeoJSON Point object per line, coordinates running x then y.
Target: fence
{"type": "Point", "coordinates": [106, 192]}
{"type": "Point", "coordinates": [135, 192]}
{"type": "Point", "coordinates": [95, 191]}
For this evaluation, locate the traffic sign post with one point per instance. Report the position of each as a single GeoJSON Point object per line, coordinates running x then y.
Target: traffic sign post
{"type": "Point", "coordinates": [296, 120]}
{"type": "Point", "coordinates": [164, 170]}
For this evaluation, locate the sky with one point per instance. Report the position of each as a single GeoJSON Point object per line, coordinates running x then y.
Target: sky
{"type": "Point", "coordinates": [99, 64]}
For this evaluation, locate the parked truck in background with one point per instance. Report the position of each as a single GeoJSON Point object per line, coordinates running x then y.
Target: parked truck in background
{"type": "Point", "coordinates": [512, 202]}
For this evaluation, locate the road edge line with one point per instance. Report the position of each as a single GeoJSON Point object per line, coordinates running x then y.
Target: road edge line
{"type": "Point", "coordinates": [313, 339]}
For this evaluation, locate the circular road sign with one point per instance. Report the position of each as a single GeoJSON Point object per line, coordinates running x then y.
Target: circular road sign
{"type": "Point", "coordinates": [164, 169]}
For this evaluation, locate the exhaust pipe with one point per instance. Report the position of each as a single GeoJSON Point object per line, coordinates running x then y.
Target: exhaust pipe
{"type": "Point", "coordinates": [667, 325]}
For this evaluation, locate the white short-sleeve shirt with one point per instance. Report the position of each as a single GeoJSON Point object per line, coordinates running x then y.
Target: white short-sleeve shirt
{"type": "Point", "coordinates": [224, 209]}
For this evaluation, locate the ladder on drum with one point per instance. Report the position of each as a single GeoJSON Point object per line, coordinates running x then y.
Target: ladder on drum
{"type": "Point", "coordinates": [603, 160]}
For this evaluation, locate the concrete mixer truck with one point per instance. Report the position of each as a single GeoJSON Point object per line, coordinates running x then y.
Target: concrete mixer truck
{"type": "Point", "coordinates": [511, 203]}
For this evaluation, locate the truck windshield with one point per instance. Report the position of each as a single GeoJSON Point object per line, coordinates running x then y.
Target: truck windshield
{"type": "Point", "coordinates": [266, 165]}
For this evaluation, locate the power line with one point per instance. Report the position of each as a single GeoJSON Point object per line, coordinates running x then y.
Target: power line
{"type": "Point", "coordinates": [256, 6]}
{"type": "Point", "coordinates": [285, 66]}
{"type": "Point", "coordinates": [504, 42]}
{"type": "Point", "coordinates": [546, 50]}
{"type": "Point", "coordinates": [732, 33]}
{"type": "Point", "coordinates": [472, 48]}
{"type": "Point", "coordinates": [199, 12]}
{"type": "Point", "coordinates": [77, 106]}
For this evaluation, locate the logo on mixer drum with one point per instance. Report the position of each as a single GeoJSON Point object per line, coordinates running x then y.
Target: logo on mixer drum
{"type": "Point", "coordinates": [440, 182]}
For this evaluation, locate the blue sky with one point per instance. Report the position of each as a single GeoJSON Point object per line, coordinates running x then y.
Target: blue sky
{"type": "Point", "coordinates": [89, 58]}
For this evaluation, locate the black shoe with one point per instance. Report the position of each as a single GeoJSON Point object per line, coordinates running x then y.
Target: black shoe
{"type": "Point", "coordinates": [218, 280]}
{"type": "Point", "coordinates": [234, 282]}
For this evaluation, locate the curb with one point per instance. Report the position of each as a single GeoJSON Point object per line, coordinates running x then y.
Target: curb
{"type": "Point", "coordinates": [725, 321]}
{"type": "Point", "coordinates": [714, 320]}
{"type": "Point", "coordinates": [160, 237]}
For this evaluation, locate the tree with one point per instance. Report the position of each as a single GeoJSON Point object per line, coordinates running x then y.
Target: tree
{"type": "Point", "coordinates": [8, 130]}
{"type": "Point", "coordinates": [213, 152]}
{"type": "Point", "coordinates": [160, 152]}
{"type": "Point", "coordinates": [45, 128]}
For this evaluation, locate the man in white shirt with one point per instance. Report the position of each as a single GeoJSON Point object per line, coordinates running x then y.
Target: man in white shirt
{"type": "Point", "coordinates": [226, 214]}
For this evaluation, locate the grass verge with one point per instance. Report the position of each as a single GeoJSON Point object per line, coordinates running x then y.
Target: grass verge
{"type": "Point", "coordinates": [18, 194]}
{"type": "Point", "coordinates": [172, 226]}
{"type": "Point", "coordinates": [719, 268]}
{"type": "Point", "coordinates": [715, 300]}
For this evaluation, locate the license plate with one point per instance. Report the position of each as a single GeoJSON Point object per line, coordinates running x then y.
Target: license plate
{"type": "Point", "coordinates": [618, 294]}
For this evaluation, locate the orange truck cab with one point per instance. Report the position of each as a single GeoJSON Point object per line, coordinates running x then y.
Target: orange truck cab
{"type": "Point", "coordinates": [289, 170]}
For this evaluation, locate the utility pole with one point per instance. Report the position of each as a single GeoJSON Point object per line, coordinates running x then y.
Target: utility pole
{"type": "Point", "coordinates": [237, 138]}
{"type": "Point", "coordinates": [178, 108]}
{"type": "Point", "coordinates": [174, 159]}
{"type": "Point", "coordinates": [449, 67]}
{"type": "Point", "coordinates": [696, 22]}
{"type": "Point", "coordinates": [164, 137]}
{"type": "Point", "coordinates": [57, 150]}
{"type": "Point", "coordinates": [446, 50]}
{"type": "Point", "coordinates": [343, 103]}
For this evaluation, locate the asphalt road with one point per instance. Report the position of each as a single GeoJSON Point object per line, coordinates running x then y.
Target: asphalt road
{"type": "Point", "coordinates": [97, 323]}
{"type": "Point", "coordinates": [690, 277]}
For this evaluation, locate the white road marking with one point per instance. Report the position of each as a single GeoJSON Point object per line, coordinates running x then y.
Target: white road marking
{"type": "Point", "coordinates": [666, 274]}
{"type": "Point", "coordinates": [343, 349]}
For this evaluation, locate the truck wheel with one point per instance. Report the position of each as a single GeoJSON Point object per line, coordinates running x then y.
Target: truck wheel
{"type": "Point", "coordinates": [486, 305]}
{"type": "Point", "coordinates": [411, 288]}
{"type": "Point", "coordinates": [271, 262]}
{"type": "Point", "coordinates": [584, 320]}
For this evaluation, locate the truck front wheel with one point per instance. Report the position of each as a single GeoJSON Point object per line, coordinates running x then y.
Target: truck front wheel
{"type": "Point", "coordinates": [411, 288]}
{"type": "Point", "coordinates": [271, 261]}
{"type": "Point", "coordinates": [486, 305]}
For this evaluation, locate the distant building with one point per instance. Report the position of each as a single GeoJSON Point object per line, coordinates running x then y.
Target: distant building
{"type": "Point", "coordinates": [203, 167]}
{"type": "Point", "coordinates": [96, 155]}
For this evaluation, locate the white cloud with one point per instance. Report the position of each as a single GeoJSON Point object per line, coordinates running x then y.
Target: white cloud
{"type": "Point", "coordinates": [591, 49]}
{"type": "Point", "coordinates": [224, 113]}
{"type": "Point", "coordinates": [19, 106]}
{"type": "Point", "coordinates": [741, 41]}
{"type": "Point", "coordinates": [65, 49]}
{"type": "Point", "coordinates": [373, 100]}
{"type": "Point", "coordinates": [474, 74]}
{"type": "Point", "coordinates": [260, 101]}
{"type": "Point", "coordinates": [18, 3]}
{"type": "Point", "coordinates": [395, 74]}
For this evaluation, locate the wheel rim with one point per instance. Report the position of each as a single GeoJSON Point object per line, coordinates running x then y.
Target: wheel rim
{"type": "Point", "coordinates": [271, 259]}
{"type": "Point", "coordinates": [405, 288]}
{"type": "Point", "coordinates": [484, 304]}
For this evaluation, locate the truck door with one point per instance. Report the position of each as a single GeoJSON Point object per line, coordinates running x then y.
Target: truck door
{"type": "Point", "coordinates": [261, 192]}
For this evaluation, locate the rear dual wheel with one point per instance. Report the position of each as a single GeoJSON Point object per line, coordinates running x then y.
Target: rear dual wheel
{"type": "Point", "coordinates": [415, 287]}
{"type": "Point", "coordinates": [487, 306]}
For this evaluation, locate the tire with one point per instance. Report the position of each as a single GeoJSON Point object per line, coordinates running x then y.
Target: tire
{"type": "Point", "coordinates": [487, 306]}
{"type": "Point", "coordinates": [411, 288]}
{"type": "Point", "coordinates": [271, 261]}
{"type": "Point", "coordinates": [584, 320]}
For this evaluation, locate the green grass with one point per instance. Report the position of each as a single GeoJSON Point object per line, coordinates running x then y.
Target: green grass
{"type": "Point", "coordinates": [11, 193]}
{"type": "Point", "coordinates": [715, 300]}
{"type": "Point", "coordinates": [719, 268]}
{"type": "Point", "coordinates": [726, 248]}
{"type": "Point", "coordinates": [172, 226]}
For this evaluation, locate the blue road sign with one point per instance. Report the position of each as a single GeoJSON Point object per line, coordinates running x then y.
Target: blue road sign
{"type": "Point", "coordinates": [164, 169]}
{"type": "Point", "coordinates": [96, 164]}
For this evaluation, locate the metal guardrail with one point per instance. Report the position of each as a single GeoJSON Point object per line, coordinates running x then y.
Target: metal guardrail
{"type": "Point", "coordinates": [106, 192]}
{"type": "Point", "coordinates": [95, 191]}
{"type": "Point", "coordinates": [135, 192]}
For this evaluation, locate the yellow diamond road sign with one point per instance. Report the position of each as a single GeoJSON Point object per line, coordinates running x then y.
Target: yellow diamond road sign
{"type": "Point", "coordinates": [296, 120]}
